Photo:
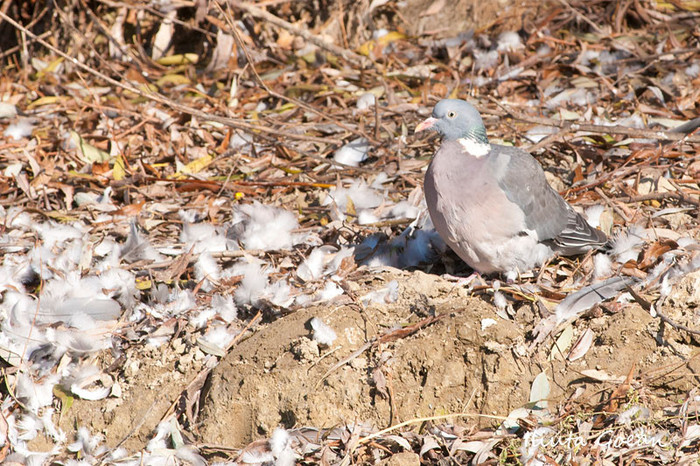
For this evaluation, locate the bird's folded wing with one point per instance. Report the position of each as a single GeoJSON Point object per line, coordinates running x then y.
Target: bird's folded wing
{"type": "Point", "coordinates": [578, 236]}
{"type": "Point", "coordinates": [523, 182]}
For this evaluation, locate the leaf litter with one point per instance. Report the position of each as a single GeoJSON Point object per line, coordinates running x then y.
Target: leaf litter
{"type": "Point", "coordinates": [176, 181]}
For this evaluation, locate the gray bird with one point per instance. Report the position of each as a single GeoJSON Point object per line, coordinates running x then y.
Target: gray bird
{"type": "Point", "coordinates": [492, 204]}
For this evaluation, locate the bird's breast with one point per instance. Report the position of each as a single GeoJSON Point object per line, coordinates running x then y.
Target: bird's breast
{"type": "Point", "coordinates": [472, 213]}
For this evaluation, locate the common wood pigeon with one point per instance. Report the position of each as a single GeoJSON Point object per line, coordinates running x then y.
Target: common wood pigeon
{"type": "Point", "coordinates": [492, 204]}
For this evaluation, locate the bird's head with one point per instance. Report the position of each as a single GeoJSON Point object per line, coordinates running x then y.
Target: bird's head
{"type": "Point", "coordinates": [456, 119]}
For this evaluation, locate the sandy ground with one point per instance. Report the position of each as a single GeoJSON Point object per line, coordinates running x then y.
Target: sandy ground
{"type": "Point", "coordinates": [278, 376]}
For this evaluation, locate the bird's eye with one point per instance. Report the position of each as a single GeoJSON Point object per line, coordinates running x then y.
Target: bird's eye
{"type": "Point", "coordinates": [451, 114]}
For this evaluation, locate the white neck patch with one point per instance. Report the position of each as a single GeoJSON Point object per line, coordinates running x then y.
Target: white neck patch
{"type": "Point", "coordinates": [475, 148]}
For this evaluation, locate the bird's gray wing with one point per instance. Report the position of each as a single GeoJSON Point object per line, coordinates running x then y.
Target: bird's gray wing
{"type": "Point", "coordinates": [522, 180]}
{"type": "Point", "coordinates": [578, 236]}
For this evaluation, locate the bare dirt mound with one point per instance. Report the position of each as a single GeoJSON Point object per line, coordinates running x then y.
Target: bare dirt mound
{"type": "Point", "coordinates": [449, 352]}
{"type": "Point", "coordinates": [279, 376]}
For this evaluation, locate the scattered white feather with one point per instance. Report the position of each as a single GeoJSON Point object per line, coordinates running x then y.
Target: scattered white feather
{"type": "Point", "coordinates": [664, 266]}
{"type": "Point", "coordinates": [8, 110]}
{"type": "Point", "coordinates": [509, 41]}
{"type": "Point", "coordinates": [18, 219]}
{"type": "Point", "coordinates": [352, 153]}
{"type": "Point", "coordinates": [404, 209]}
{"type": "Point", "coordinates": [602, 265]}
{"type": "Point", "coordinates": [538, 133]}
{"type": "Point", "coordinates": [485, 60]}
{"type": "Point", "coordinates": [22, 129]}
{"type": "Point", "coordinates": [379, 33]}
{"type": "Point", "coordinates": [587, 56]}
{"type": "Point", "coordinates": [365, 101]}
{"type": "Point", "coordinates": [593, 214]}
{"type": "Point", "coordinates": [279, 294]}
{"type": "Point", "coordinates": [177, 302]}
{"type": "Point", "coordinates": [28, 426]}
{"type": "Point", "coordinates": [628, 244]}
{"type": "Point", "coordinates": [224, 307]}
{"type": "Point", "coordinates": [105, 247]}
{"type": "Point", "coordinates": [189, 455]}
{"type": "Point", "coordinates": [50, 428]}
{"type": "Point", "coordinates": [410, 249]}
{"type": "Point", "coordinates": [362, 196]}
{"type": "Point", "coordinates": [632, 121]}
{"type": "Point", "coordinates": [256, 457]}
{"type": "Point", "coordinates": [159, 440]}
{"type": "Point", "coordinates": [281, 447]}
{"type": "Point", "coordinates": [87, 445]}
{"type": "Point", "coordinates": [204, 237]}
{"type": "Point", "coordinates": [500, 301]}
{"type": "Point", "coordinates": [379, 180]}
{"type": "Point", "coordinates": [387, 295]}
{"type": "Point", "coordinates": [259, 226]}
{"type": "Point", "coordinates": [543, 50]}
{"type": "Point", "coordinates": [486, 323]}
{"type": "Point", "coordinates": [137, 247]}
{"type": "Point", "coordinates": [366, 217]}
{"type": "Point", "coordinates": [251, 287]}
{"type": "Point", "coordinates": [101, 202]}
{"type": "Point", "coordinates": [322, 333]}
{"type": "Point", "coordinates": [629, 415]}
{"type": "Point", "coordinates": [55, 234]}
{"type": "Point", "coordinates": [312, 267]}
{"type": "Point", "coordinates": [207, 270]}
{"type": "Point", "coordinates": [120, 285]}
{"type": "Point", "coordinates": [219, 336]}
{"type": "Point", "coordinates": [511, 276]}
{"type": "Point", "coordinates": [81, 382]}
{"type": "Point", "coordinates": [33, 394]}
{"type": "Point", "coordinates": [330, 291]}
{"type": "Point", "coordinates": [666, 287]}
{"type": "Point", "coordinates": [190, 216]}
{"type": "Point", "coordinates": [336, 260]}
{"type": "Point", "coordinates": [201, 319]}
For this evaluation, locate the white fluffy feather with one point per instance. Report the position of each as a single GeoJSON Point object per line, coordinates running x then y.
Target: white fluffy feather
{"type": "Point", "coordinates": [204, 237]}
{"type": "Point", "coordinates": [593, 214]}
{"type": "Point", "coordinates": [280, 445]}
{"type": "Point", "coordinates": [219, 336]}
{"type": "Point", "coordinates": [628, 244]}
{"type": "Point", "coordinates": [352, 153]}
{"type": "Point", "coordinates": [33, 394]}
{"type": "Point", "coordinates": [207, 270]}
{"type": "Point", "coordinates": [509, 41]}
{"type": "Point", "coordinates": [362, 196]}
{"type": "Point", "coordinates": [322, 332]}
{"type": "Point", "coordinates": [602, 265]}
{"type": "Point", "coordinates": [251, 287]}
{"type": "Point", "coordinates": [500, 301]}
{"type": "Point", "coordinates": [22, 129]}
{"type": "Point", "coordinates": [259, 226]}
{"type": "Point", "coordinates": [224, 307]}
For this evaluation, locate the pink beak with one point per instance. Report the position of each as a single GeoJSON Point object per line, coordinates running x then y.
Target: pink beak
{"type": "Point", "coordinates": [428, 123]}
